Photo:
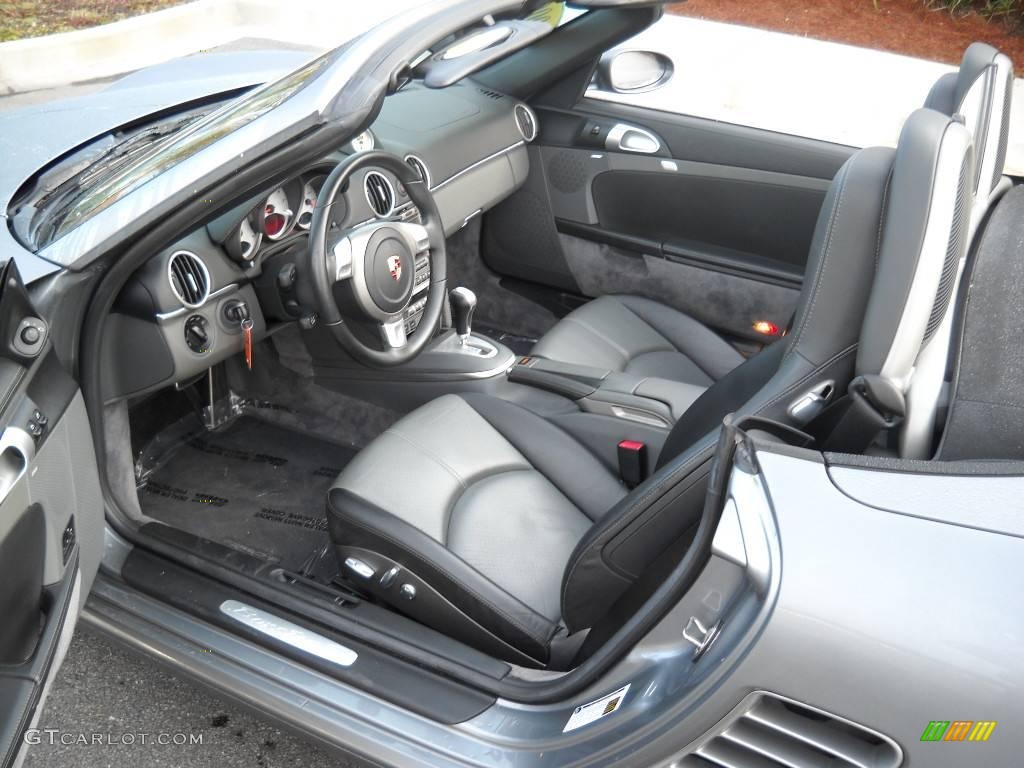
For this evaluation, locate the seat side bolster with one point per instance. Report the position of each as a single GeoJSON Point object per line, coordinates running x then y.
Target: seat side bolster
{"type": "Point", "coordinates": [613, 554]}
{"type": "Point", "coordinates": [363, 525]}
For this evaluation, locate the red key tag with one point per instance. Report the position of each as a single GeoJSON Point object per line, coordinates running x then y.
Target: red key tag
{"type": "Point", "coordinates": [247, 330]}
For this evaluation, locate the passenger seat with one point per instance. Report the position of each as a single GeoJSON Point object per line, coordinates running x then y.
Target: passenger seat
{"type": "Point", "coordinates": [636, 335]}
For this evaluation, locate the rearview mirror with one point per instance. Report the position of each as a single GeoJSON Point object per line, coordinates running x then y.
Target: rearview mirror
{"type": "Point", "coordinates": [634, 71]}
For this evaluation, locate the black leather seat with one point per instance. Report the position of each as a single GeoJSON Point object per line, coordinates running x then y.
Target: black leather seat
{"type": "Point", "coordinates": [635, 335]}
{"type": "Point", "coordinates": [483, 520]}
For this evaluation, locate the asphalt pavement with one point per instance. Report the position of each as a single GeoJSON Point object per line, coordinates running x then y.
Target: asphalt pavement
{"type": "Point", "coordinates": [112, 696]}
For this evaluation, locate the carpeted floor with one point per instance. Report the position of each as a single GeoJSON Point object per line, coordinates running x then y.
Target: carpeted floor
{"type": "Point", "coordinates": [252, 485]}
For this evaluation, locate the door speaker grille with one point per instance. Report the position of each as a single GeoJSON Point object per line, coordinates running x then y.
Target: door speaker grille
{"type": "Point", "coordinates": [768, 731]}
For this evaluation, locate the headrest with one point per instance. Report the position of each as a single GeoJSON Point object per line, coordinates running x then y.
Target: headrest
{"type": "Point", "coordinates": [982, 91]}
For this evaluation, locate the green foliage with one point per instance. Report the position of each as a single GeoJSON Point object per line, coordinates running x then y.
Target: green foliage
{"type": "Point", "coordinates": [32, 18]}
{"type": "Point", "coordinates": [1010, 11]}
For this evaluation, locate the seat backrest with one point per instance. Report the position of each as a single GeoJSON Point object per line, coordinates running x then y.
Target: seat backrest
{"type": "Point", "coordinates": [879, 243]}
{"type": "Point", "coordinates": [981, 93]}
{"type": "Point", "coordinates": [913, 294]}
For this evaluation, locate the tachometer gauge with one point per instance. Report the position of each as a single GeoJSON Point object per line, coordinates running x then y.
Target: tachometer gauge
{"type": "Point", "coordinates": [310, 190]}
{"type": "Point", "coordinates": [249, 240]}
{"type": "Point", "coordinates": [278, 216]}
{"type": "Point", "coordinates": [364, 142]}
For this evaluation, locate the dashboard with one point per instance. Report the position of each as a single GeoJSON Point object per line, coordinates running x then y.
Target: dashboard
{"type": "Point", "coordinates": [184, 310]}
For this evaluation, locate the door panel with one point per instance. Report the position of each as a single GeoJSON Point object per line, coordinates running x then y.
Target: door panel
{"type": "Point", "coordinates": [51, 513]}
{"type": "Point", "coordinates": [713, 219]}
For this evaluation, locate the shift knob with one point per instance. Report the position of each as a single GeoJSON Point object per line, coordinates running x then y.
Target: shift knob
{"type": "Point", "coordinates": [463, 303]}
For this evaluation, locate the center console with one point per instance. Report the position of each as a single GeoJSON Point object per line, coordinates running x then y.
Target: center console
{"type": "Point", "coordinates": [612, 408]}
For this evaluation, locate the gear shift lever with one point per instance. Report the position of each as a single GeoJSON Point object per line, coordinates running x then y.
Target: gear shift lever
{"type": "Point", "coordinates": [463, 303]}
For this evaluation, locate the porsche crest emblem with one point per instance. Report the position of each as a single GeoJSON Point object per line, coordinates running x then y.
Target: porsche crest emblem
{"type": "Point", "coordinates": [395, 267]}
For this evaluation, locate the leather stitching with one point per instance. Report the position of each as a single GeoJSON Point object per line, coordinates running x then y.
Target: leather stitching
{"type": "Point", "coordinates": [672, 346]}
{"type": "Point", "coordinates": [598, 335]}
{"type": "Point", "coordinates": [881, 219]}
{"type": "Point", "coordinates": [805, 323]}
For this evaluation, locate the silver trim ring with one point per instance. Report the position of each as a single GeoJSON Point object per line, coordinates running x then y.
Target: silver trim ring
{"type": "Point", "coordinates": [532, 116]}
{"type": "Point", "coordinates": [369, 201]}
{"type": "Point", "coordinates": [206, 275]}
{"type": "Point", "coordinates": [425, 176]}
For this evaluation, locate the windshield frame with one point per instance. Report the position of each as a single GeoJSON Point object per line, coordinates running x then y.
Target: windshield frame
{"type": "Point", "coordinates": [344, 90]}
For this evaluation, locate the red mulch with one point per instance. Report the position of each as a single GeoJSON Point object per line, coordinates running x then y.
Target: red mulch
{"type": "Point", "coordinates": [900, 26]}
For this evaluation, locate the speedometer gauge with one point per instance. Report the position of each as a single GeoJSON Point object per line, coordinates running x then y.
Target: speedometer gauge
{"type": "Point", "coordinates": [277, 215]}
{"type": "Point", "coordinates": [248, 239]}
{"type": "Point", "coordinates": [310, 190]}
{"type": "Point", "coordinates": [364, 142]}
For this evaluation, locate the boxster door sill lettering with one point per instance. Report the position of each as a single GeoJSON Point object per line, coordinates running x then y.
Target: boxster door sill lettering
{"type": "Point", "coordinates": [287, 632]}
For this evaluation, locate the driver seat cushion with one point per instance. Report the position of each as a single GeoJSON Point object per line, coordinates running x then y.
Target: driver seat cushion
{"type": "Point", "coordinates": [635, 335]}
{"type": "Point", "coordinates": [482, 500]}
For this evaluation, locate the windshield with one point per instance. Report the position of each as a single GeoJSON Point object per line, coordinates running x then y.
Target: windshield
{"type": "Point", "coordinates": [145, 155]}
{"type": "Point", "coordinates": [114, 166]}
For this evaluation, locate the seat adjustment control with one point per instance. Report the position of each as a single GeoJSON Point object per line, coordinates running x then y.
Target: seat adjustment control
{"type": "Point", "coordinates": [359, 568]}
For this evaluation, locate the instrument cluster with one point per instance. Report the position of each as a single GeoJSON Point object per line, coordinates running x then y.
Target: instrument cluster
{"type": "Point", "coordinates": [286, 211]}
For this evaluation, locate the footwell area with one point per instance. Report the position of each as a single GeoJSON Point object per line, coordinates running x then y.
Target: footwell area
{"type": "Point", "coordinates": [252, 485]}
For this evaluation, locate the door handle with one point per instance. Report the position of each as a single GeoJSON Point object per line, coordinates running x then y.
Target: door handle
{"type": "Point", "coordinates": [17, 449]}
{"type": "Point", "coordinates": [629, 138]}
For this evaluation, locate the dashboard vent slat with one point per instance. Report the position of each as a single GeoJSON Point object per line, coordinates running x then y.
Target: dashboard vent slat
{"type": "Point", "coordinates": [189, 278]}
{"type": "Point", "coordinates": [526, 122]}
{"type": "Point", "coordinates": [380, 194]}
{"type": "Point", "coordinates": [769, 731]}
{"type": "Point", "coordinates": [420, 168]}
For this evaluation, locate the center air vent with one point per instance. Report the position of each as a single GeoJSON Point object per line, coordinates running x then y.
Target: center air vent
{"type": "Point", "coordinates": [526, 121]}
{"type": "Point", "coordinates": [768, 731]}
{"type": "Point", "coordinates": [189, 278]}
{"type": "Point", "coordinates": [380, 194]}
{"type": "Point", "coordinates": [420, 168]}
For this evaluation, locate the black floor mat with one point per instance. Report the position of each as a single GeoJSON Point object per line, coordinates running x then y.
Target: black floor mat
{"type": "Point", "coordinates": [252, 485]}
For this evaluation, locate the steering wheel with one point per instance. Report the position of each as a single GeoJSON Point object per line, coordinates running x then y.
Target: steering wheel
{"type": "Point", "coordinates": [367, 275]}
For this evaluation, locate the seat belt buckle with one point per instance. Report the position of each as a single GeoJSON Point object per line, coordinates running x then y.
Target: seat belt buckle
{"type": "Point", "coordinates": [632, 462]}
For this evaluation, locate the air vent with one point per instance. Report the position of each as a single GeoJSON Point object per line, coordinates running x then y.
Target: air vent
{"type": "Point", "coordinates": [189, 278]}
{"type": "Point", "coordinates": [768, 731]}
{"type": "Point", "coordinates": [420, 168]}
{"type": "Point", "coordinates": [526, 121]}
{"type": "Point", "coordinates": [380, 194]}
{"type": "Point", "coordinates": [492, 94]}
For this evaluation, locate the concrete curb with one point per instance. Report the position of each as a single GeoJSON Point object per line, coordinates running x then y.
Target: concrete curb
{"type": "Point", "coordinates": [124, 46]}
